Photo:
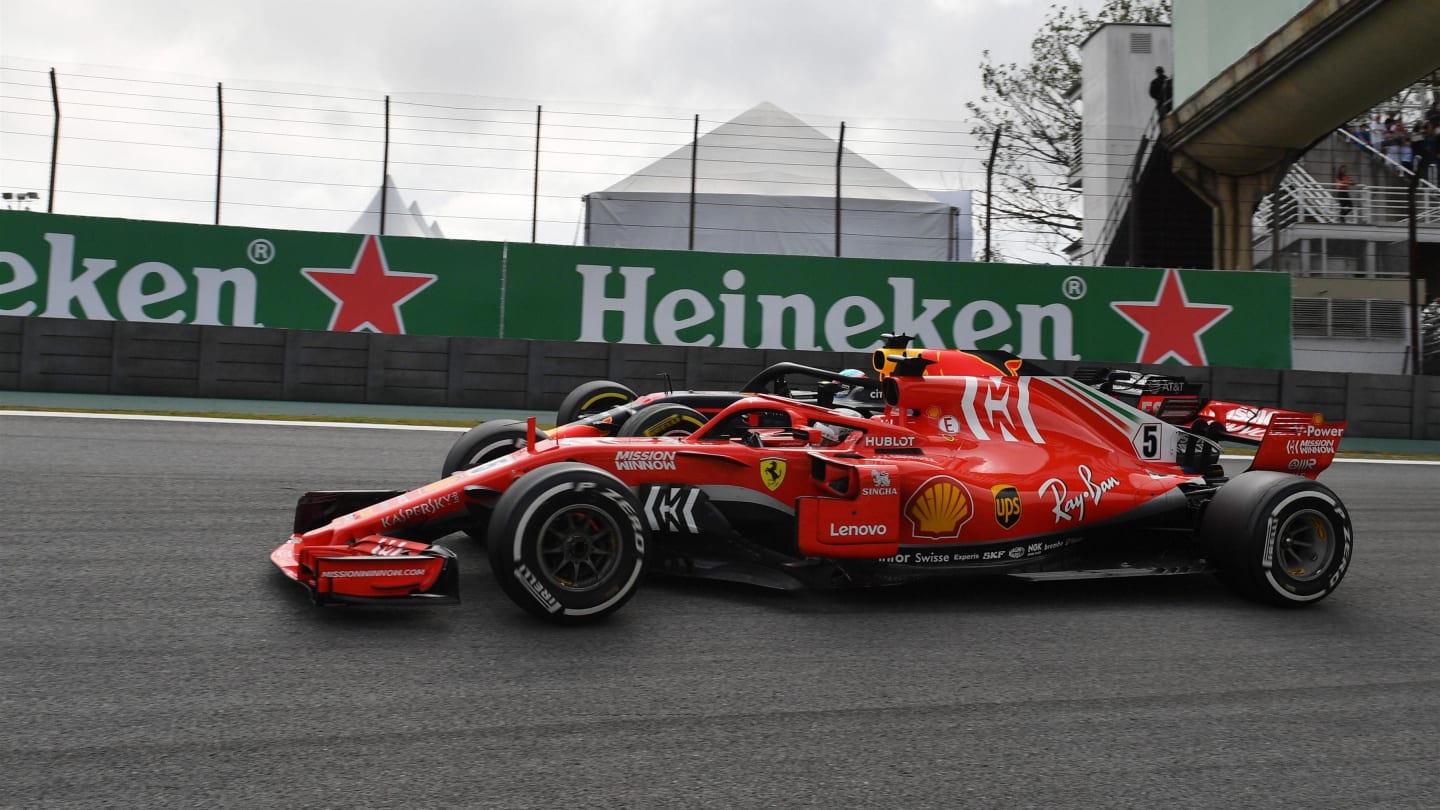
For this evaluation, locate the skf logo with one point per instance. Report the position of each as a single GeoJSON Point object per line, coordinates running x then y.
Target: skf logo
{"type": "Point", "coordinates": [939, 508]}
{"type": "Point", "coordinates": [772, 472]}
{"type": "Point", "coordinates": [1007, 505]}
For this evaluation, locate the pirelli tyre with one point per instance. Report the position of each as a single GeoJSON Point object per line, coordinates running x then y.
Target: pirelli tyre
{"type": "Point", "coordinates": [567, 543]}
{"type": "Point", "coordinates": [1278, 538]}
{"type": "Point", "coordinates": [591, 398]}
{"type": "Point", "coordinates": [482, 443]}
{"type": "Point", "coordinates": [663, 419]}
{"type": "Point", "coordinates": [486, 441]}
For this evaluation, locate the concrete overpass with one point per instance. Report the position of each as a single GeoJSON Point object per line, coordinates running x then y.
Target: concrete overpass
{"type": "Point", "coordinates": [1232, 141]}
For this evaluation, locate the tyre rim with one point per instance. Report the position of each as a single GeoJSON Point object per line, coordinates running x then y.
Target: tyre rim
{"type": "Point", "coordinates": [1305, 546]}
{"type": "Point", "coordinates": [579, 548]}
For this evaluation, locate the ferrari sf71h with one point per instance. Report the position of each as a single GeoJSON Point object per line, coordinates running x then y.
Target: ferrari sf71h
{"type": "Point", "coordinates": [1033, 477]}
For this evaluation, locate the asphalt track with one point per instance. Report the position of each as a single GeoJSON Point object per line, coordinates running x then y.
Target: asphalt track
{"type": "Point", "coordinates": [150, 657]}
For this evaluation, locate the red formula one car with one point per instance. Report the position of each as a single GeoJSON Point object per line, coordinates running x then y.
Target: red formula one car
{"type": "Point", "coordinates": [1026, 476]}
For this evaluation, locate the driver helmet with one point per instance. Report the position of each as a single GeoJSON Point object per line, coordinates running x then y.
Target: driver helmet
{"type": "Point", "coordinates": [851, 391]}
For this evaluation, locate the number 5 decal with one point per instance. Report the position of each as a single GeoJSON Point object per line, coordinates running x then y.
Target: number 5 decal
{"type": "Point", "coordinates": [1147, 441]}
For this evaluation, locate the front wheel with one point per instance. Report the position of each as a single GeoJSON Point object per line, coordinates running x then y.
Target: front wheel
{"type": "Point", "coordinates": [1278, 538]}
{"type": "Point", "coordinates": [567, 544]}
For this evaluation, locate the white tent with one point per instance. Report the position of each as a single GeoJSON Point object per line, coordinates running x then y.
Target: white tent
{"type": "Point", "coordinates": [765, 183]}
{"type": "Point", "coordinates": [400, 219]}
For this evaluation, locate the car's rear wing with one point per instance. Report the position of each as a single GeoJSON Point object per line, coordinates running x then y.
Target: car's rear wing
{"type": "Point", "coordinates": [1246, 424]}
{"type": "Point", "coordinates": [1299, 443]}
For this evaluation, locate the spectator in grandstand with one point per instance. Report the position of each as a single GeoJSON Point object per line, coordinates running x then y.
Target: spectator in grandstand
{"type": "Point", "coordinates": [1429, 142]}
{"type": "Point", "coordinates": [1343, 184]}
{"type": "Point", "coordinates": [1393, 131]}
{"type": "Point", "coordinates": [1377, 133]}
{"type": "Point", "coordinates": [1362, 135]}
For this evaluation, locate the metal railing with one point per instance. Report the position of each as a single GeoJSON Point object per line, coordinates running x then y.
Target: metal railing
{"type": "Point", "coordinates": [1303, 199]}
{"type": "Point", "coordinates": [1120, 203]}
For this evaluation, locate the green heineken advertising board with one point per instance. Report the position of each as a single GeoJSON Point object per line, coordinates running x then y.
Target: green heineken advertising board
{"type": "Point", "coordinates": [80, 267]}
{"type": "Point", "coordinates": [1196, 317]}
{"type": "Point", "coordinates": [114, 269]}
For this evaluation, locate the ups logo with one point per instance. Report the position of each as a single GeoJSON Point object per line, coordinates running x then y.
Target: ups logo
{"type": "Point", "coordinates": [1007, 505]}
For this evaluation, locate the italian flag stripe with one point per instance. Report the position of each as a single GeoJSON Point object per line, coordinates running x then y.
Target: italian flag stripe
{"type": "Point", "coordinates": [1078, 392]}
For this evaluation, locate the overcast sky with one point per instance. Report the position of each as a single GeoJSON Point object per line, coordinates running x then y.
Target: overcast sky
{"type": "Point", "coordinates": [898, 62]}
{"type": "Point", "coordinates": [901, 58]}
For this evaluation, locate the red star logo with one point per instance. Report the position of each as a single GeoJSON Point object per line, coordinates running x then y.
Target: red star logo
{"type": "Point", "coordinates": [367, 294]}
{"type": "Point", "coordinates": [1171, 326]}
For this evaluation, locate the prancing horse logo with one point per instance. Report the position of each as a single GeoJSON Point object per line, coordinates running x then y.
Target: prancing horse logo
{"type": "Point", "coordinates": [772, 472]}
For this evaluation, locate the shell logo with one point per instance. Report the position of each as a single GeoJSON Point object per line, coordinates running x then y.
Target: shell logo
{"type": "Point", "coordinates": [939, 508]}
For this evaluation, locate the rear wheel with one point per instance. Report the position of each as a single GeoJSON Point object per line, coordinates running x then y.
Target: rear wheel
{"type": "Point", "coordinates": [591, 398]}
{"type": "Point", "coordinates": [566, 543]}
{"type": "Point", "coordinates": [663, 419]}
{"type": "Point", "coordinates": [1278, 538]}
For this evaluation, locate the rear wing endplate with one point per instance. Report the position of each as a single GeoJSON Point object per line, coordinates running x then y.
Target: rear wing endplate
{"type": "Point", "coordinates": [1303, 444]}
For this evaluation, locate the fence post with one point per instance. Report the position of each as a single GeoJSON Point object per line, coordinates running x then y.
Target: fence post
{"type": "Point", "coordinates": [1411, 243]}
{"type": "Point", "coordinates": [839, 159]}
{"type": "Point", "coordinates": [385, 169]}
{"type": "Point", "coordinates": [694, 161]}
{"type": "Point", "coordinates": [989, 189]}
{"type": "Point", "coordinates": [535, 191]}
{"type": "Point", "coordinates": [54, 141]}
{"type": "Point", "coordinates": [220, 145]}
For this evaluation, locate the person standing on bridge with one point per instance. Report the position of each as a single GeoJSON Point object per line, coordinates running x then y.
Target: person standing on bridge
{"type": "Point", "coordinates": [1161, 89]}
{"type": "Point", "coordinates": [1343, 184]}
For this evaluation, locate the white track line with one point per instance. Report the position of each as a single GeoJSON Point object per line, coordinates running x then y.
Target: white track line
{"type": "Point", "coordinates": [1420, 461]}
{"type": "Point", "coordinates": [140, 417]}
